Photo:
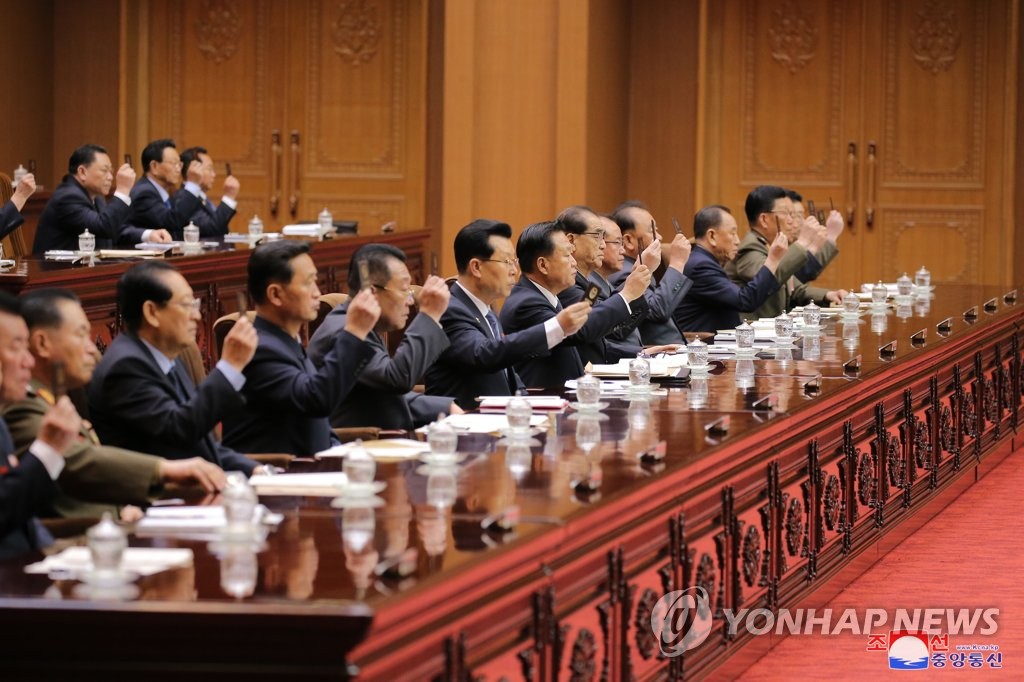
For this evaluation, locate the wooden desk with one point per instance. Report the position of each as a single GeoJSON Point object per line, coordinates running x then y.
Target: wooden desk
{"type": "Point", "coordinates": [216, 276]}
{"type": "Point", "coordinates": [782, 507]}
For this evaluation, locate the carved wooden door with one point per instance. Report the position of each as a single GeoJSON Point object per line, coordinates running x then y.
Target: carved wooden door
{"type": "Point", "coordinates": [314, 103]}
{"type": "Point", "coordinates": [895, 112]}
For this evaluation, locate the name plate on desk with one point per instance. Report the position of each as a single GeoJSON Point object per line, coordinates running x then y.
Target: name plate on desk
{"type": "Point", "coordinates": [971, 314]}
{"type": "Point", "coordinates": [918, 339]}
{"type": "Point", "coordinates": [1010, 297]}
{"type": "Point", "coordinates": [852, 366]}
{"type": "Point", "coordinates": [945, 328]}
{"type": "Point", "coordinates": [888, 351]}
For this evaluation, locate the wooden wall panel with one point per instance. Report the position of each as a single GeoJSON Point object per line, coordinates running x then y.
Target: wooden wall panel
{"type": "Point", "coordinates": [26, 107]}
{"type": "Point", "coordinates": [85, 91]}
{"type": "Point", "coordinates": [662, 133]}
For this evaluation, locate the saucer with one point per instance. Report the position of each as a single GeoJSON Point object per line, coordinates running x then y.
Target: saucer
{"type": "Point", "coordinates": [361, 502]}
{"type": "Point", "coordinates": [596, 408]}
{"type": "Point", "coordinates": [442, 460]}
{"type": "Point", "coordinates": [361, 490]}
{"type": "Point", "coordinates": [107, 579]}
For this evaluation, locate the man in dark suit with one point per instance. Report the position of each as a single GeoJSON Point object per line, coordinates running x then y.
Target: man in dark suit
{"type": "Point", "coordinates": [211, 219]}
{"type": "Point", "coordinates": [383, 395]}
{"type": "Point", "coordinates": [641, 239]}
{"type": "Point", "coordinates": [10, 213]}
{"type": "Point", "coordinates": [545, 256]}
{"type": "Point", "coordinates": [288, 400]}
{"type": "Point", "coordinates": [27, 486]}
{"type": "Point", "coordinates": [479, 360]}
{"type": "Point", "coordinates": [142, 398]}
{"type": "Point", "coordinates": [95, 476]}
{"type": "Point", "coordinates": [714, 302]}
{"type": "Point", "coordinates": [152, 204]}
{"type": "Point", "coordinates": [80, 203]}
{"type": "Point", "coordinates": [585, 231]}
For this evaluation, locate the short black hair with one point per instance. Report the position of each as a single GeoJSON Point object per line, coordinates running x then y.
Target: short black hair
{"type": "Point", "coordinates": [573, 219]}
{"type": "Point", "coordinates": [761, 200]}
{"type": "Point", "coordinates": [271, 263]}
{"type": "Point", "coordinates": [795, 196]}
{"type": "Point", "coordinates": [9, 304]}
{"type": "Point", "coordinates": [141, 283]}
{"type": "Point", "coordinates": [84, 156]}
{"type": "Point", "coordinates": [39, 307]}
{"type": "Point", "coordinates": [623, 216]}
{"type": "Point", "coordinates": [376, 257]}
{"type": "Point", "coordinates": [707, 218]}
{"type": "Point", "coordinates": [191, 154]}
{"type": "Point", "coordinates": [536, 241]}
{"type": "Point", "coordinates": [154, 151]}
{"type": "Point", "coordinates": [473, 241]}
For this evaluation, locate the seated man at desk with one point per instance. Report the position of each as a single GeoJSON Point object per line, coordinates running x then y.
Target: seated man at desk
{"type": "Point", "coordinates": [10, 213]}
{"type": "Point", "coordinates": [142, 397]}
{"type": "Point", "coordinates": [211, 220]}
{"type": "Point", "coordinates": [479, 360]}
{"type": "Point", "coordinates": [28, 485]}
{"type": "Point", "coordinates": [288, 400]}
{"type": "Point", "coordinates": [153, 207]}
{"type": "Point", "coordinates": [714, 301]}
{"type": "Point", "coordinates": [769, 211]}
{"type": "Point", "coordinates": [95, 476]}
{"type": "Point", "coordinates": [546, 258]}
{"type": "Point", "coordinates": [585, 231]}
{"type": "Point", "coordinates": [384, 394]}
{"type": "Point", "coordinates": [80, 203]}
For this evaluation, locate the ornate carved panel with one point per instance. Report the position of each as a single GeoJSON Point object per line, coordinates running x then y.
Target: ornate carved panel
{"type": "Point", "coordinates": [832, 502]}
{"type": "Point", "coordinates": [907, 232]}
{"type": "Point", "coordinates": [218, 28]}
{"type": "Point", "coordinates": [780, 38]}
{"type": "Point", "coordinates": [646, 644]}
{"type": "Point", "coordinates": [794, 526]}
{"type": "Point", "coordinates": [356, 89]}
{"type": "Point", "coordinates": [751, 554]}
{"type": "Point", "coordinates": [945, 102]}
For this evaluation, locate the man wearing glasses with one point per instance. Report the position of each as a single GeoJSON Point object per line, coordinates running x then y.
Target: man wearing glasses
{"type": "Point", "coordinates": [586, 233]}
{"type": "Point", "coordinates": [141, 396]}
{"type": "Point", "coordinates": [155, 206]}
{"type": "Point", "coordinates": [383, 395]}
{"type": "Point", "coordinates": [480, 359]}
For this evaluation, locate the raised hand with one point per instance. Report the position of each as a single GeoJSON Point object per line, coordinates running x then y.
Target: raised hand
{"type": "Point", "coordinates": [240, 343]}
{"type": "Point", "coordinates": [363, 313]}
{"type": "Point", "coordinates": [572, 318]}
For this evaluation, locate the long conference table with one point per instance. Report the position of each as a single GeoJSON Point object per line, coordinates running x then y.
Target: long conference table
{"type": "Point", "coordinates": [545, 562]}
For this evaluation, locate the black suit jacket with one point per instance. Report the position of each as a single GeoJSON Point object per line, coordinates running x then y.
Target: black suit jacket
{"type": "Point", "coordinates": [288, 399]}
{"type": "Point", "coordinates": [714, 301]}
{"type": "Point", "coordinates": [383, 395]}
{"type": "Point", "coordinates": [620, 341]}
{"type": "Point", "coordinates": [211, 220]}
{"type": "Point", "coordinates": [149, 212]}
{"type": "Point", "coordinates": [134, 405]}
{"type": "Point", "coordinates": [526, 306]}
{"type": "Point", "coordinates": [25, 491]}
{"type": "Point", "coordinates": [10, 219]}
{"type": "Point", "coordinates": [70, 211]}
{"type": "Point", "coordinates": [475, 363]}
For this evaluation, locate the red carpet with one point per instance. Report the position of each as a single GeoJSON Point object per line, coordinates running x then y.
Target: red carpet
{"type": "Point", "coordinates": [968, 556]}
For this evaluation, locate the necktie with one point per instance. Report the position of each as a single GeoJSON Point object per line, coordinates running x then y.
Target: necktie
{"type": "Point", "coordinates": [492, 320]}
{"type": "Point", "coordinates": [167, 202]}
{"type": "Point", "coordinates": [179, 387]}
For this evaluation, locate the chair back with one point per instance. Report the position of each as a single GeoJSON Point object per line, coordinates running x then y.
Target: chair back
{"type": "Point", "coordinates": [223, 325]}
{"type": "Point", "coordinates": [14, 243]}
{"type": "Point", "coordinates": [328, 302]}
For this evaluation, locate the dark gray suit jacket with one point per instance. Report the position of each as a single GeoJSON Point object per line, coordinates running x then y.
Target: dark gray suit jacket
{"type": "Point", "coordinates": [476, 363]}
{"type": "Point", "coordinates": [148, 211]}
{"type": "Point", "coordinates": [25, 491]}
{"type": "Point", "coordinates": [211, 220]}
{"type": "Point", "coordinates": [658, 328]}
{"type": "Point", "coordinates": [715, 301]}
{"type": "Point", "coordinates": [134, 405]}
{"type": "Point", "coordinates": [383, 395]}
{"type": "Point", "coordinates": [10, 219]}
{"type": "Point", "coordinates": [288, 399]}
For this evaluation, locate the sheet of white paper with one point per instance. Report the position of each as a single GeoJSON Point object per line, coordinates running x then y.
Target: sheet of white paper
{"type": "Point", "coordinates": [537, 402]}
{"type": "Point", "coordinates": [325, 484]}
{"type": "Point", "coordinates": [384, 449]}
{"type": "Point", "coordinates": [141, 560]}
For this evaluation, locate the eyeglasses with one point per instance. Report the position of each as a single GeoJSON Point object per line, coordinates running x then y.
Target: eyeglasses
{"type": "Point", "coordinates": [598, 235]}
{"type": "Point", "coordinates": [510, 263]}
{"type": "Point", "coordinates": [406, 293]}
{"type": "Point", "coordinates": [192, 304]}
{"type": "Point", "coordinates": [613, 242]}
{"type": "Point", "coordinates": [789, 214]}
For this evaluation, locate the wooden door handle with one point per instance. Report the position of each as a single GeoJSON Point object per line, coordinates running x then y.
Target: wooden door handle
{"type": "Point", "coordinates": [293, 198]}
{"type": "Point", "coordinates": [275, 171]}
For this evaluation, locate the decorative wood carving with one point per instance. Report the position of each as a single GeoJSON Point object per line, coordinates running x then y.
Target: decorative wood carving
{"type": "Point", "coordinates": [706, 574]}
{"type": "Point", "coordinates": [792, 36]}
{"type": "Point", "coordinates": [936, 37]}
{"type": "Point", "coordinates": [794, 526]}
{"type": "Point", "coordinates": [218, 28]}
{"type": "Point", "coordinates": [755, 169]}
{"type": "Point", "coordinates": [773, 564]}
{"type": "Point", "coordinates": [645, 640]}
{"type": "Point", "coordinates": [356, 31]}
{"type": "Point", "coordinates": [831, 501]}
{"type": "Point", "coordinates": [901, 223]}
{"type": "Point", "coordinates": [751, 555]}
{"type": "Point", "coordinates": [865, 480]}
{"type": "Point", "coordinates": [584, 651]}
{"type": "Point", "coordinates": [969, 171]}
